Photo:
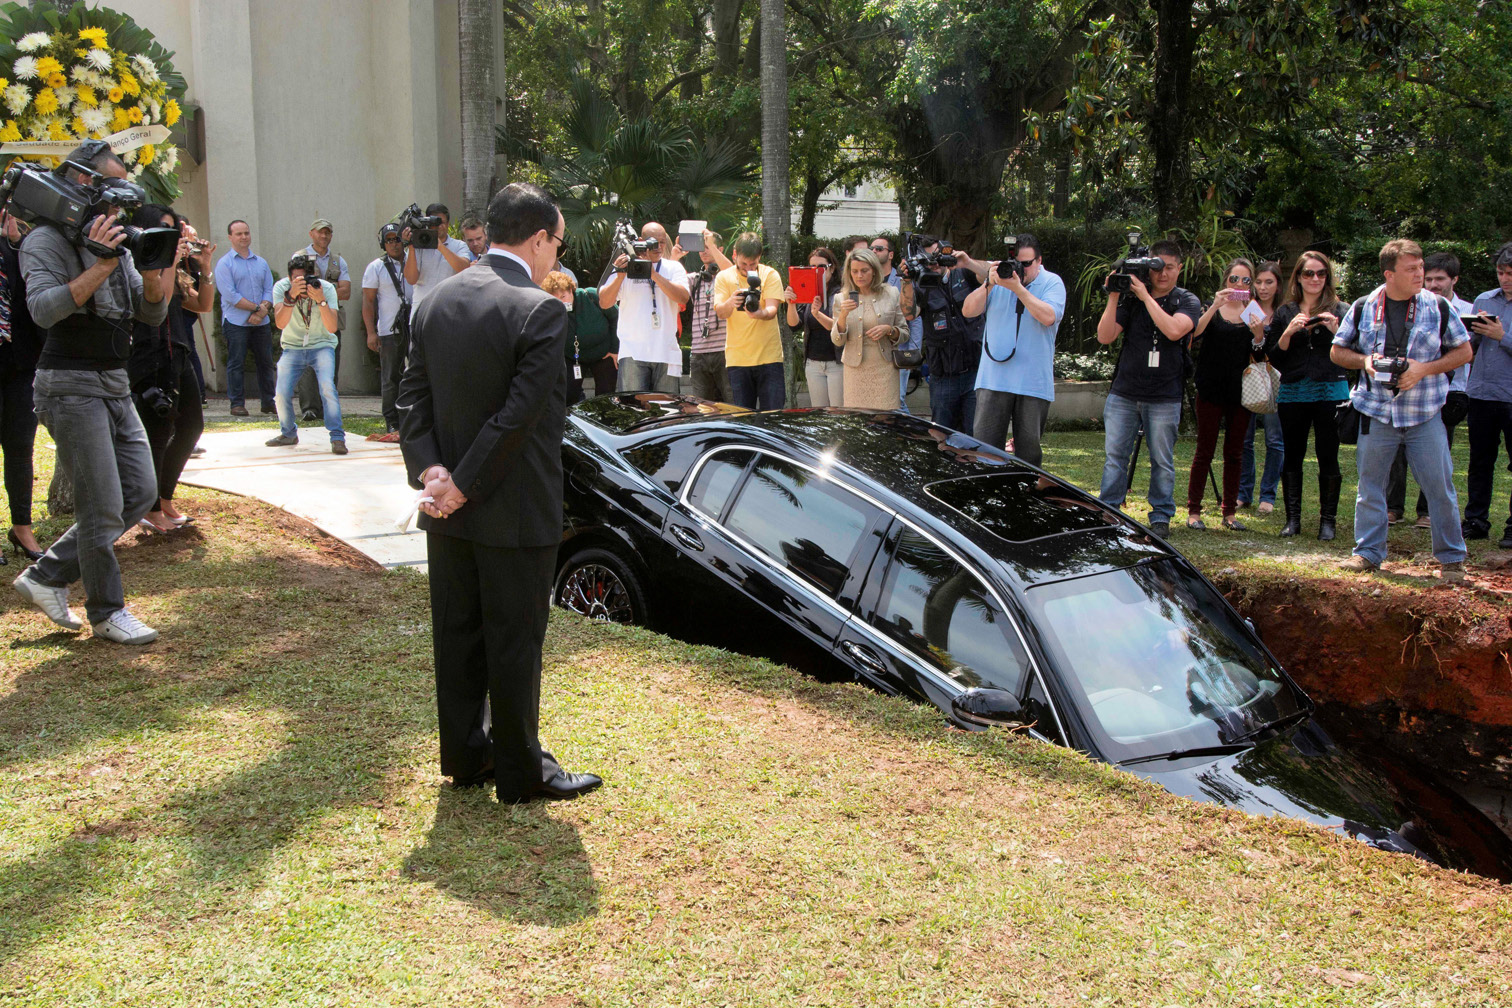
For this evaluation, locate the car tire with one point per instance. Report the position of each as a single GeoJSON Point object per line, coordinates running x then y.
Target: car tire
{"type": "Point", "coordinates": [600, 585]}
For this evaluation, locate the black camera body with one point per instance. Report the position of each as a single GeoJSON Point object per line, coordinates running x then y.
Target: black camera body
{"type": "Point", "coordinates": [750, 298]}
{"type": "Point", "coordinates": [1009, 265]}
{"type": "Point", "coordinates": [300, 261]}
{"type": "Point", "coordinates": [161, 403]}
{"type": "Point", "coordinates": [921, 264]}
{"type": "Point", "coordinates": [1393, 366]}
{"type": "Point", "coordinates": [1137, 263]}
{"type": "Point", "coordinates": [425, 231]}
{"type": "Point", "coordinates": [635, 248]}
{"type": "Point", "coordinates": [33, 194]}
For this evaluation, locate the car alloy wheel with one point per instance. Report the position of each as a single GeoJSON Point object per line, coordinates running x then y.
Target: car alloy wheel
{"type": "Point", "coordinates": [597, 584]}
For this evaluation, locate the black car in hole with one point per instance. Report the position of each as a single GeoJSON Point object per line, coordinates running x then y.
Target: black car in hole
{"type": "Point", "coordinates": [931, 565]}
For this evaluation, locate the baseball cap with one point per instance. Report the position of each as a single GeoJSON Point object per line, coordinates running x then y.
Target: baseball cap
{"type": "Point", "coordinates": [321, 222]}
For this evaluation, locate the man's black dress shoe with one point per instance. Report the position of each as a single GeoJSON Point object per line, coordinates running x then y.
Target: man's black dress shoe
{"type": "Point", "coordinates": [482, 778]}
{"type": "Point", "coordinates": [569, 785]}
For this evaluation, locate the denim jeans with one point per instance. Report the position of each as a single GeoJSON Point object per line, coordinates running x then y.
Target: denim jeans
{"type": "Point", "coordinates": [952, 401]}
{"type": "Point", "coordinates": [1122, 420]}
{"type": "Point", "coordinates": [291, 364]}
{"type": "Point", "coordinates": [307, 391]}
{"type": "Point", "coordinates": [1428, 455]}
{"type": "Point", "coordinates": [1456, 407]}
{"type": "Point", "coordinates": [826, 382]}
{"type": "Point", "coordinates": [239, 339]}
{"type": "Point", "coordinates": [1274, 454]}
{"type": "Point", "coordinates": [104, 450]}
{"type": "Point", "coordinates": [392, 349]}
{"type": "Point", "coordinates": [997, 411]}
{"type": "Point", "coordinates": [759, 386]}
{"type": "Point", "coordinates": [644, 376]}
{"type": "Point", "coordinates": [710, 380]}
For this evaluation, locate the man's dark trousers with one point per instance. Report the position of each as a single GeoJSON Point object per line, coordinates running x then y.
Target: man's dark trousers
{"type": "Point", "coordinates": [1490, 423]}
{"type": "Point", "coordinates": [259, 339]}
{"type": "Point", "coordinates": [489, 605]}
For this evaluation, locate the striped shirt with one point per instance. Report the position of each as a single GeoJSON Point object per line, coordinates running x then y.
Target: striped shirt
{"type": "Point", "coordinates": [709, 330]}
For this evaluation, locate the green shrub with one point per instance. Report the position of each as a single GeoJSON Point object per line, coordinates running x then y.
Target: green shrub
{"type": "Point", "coordinates": [1362, 264]}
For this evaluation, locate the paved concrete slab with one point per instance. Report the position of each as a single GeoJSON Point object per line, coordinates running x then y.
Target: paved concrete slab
{"type": "Point", "coordinates": [356, 497]}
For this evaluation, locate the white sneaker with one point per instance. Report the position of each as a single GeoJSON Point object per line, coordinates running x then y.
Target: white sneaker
{"type": "Point", "coordinates": [124, 628]}
{"type": "Point", "coordinates": [52, 601]}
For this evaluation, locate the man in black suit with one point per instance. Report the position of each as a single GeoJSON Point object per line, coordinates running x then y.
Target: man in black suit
{"type": "Point", "coordinates": [481, 410]}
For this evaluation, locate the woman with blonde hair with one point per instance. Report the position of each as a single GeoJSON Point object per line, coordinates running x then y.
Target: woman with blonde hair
{"type": "Point", "coordinates": [1298, 342]}
{"type": "Point", "coordinates": [868, 325]}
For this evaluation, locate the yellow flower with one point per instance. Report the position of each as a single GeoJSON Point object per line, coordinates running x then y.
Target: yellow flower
{"type": "Point", "coordinates": [46, 66]}
{"type": "Point", "coordinates": [46, 101]}
{"type": "Point", "coordinates": [129, 84]}
{"type": "Point", "coordinates": [146, 153]}
{"type": "Point", "coordinates": [10, 133]}
{"type": "Point", "coordinates": [171, 112]}
{"type": "Point", "coordinates": [81, 53]}
{"type": "Point", "coordinates": [4, 83]}
{"type": "Point", "coordinates": [115, 94]}
{"type": "Point", "coordinates": [135, 113]}
{"type": "Point", "coordinates": [95, 36]}
{"type": "Point", "coordinates": [57, 131]}
{"type": "Point", "coordinates": [77, 125]}
{"type": "Point", "coordinates": [56, 80]}
{"type": "Point", "coordinates": [119, 121]}
{"type": "Point", "coordinates": [86, 94]}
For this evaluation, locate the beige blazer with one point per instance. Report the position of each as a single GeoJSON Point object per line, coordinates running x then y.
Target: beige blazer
{"type": "Point", "coordinates": [875, 309]}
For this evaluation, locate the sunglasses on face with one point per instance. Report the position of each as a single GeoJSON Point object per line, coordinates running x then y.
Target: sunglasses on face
{"type": "Point", "coordinates": [880, 248]}
{"type": "Point", "coordinates": [1234, 278]}
{"type": "Point", "coordinates": [1314, 274]}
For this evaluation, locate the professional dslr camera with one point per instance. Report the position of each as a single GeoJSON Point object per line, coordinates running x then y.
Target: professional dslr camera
{"type": "Point", "coordinates": [628, 243]}
{"type": "Point", "coordinates": [750, 298]}
{"type": "Point", "coordinates": [1138, 263]}
{"type": "Point", "coordinates": [1009, 265]}
{"type": "Point", "coordinates": [921, 263]}
{"type": "Point", "coordinates": [33, 194]}
{"type": "Point", "coordinates": [425, 231]}
{"type": "Point", "coordinates": [1393, 366]}
{"type": "Point", "coordinates": [300, 261]}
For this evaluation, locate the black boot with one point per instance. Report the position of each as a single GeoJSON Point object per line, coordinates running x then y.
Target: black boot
{"type": "Point", "coordinates": [1291, 498]}
{"type": "Point", "coordinates": [1328, 505]}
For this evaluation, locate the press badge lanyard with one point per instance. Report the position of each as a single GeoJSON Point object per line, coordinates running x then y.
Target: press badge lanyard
{"type": "Point", "coordinates": [655, 315]}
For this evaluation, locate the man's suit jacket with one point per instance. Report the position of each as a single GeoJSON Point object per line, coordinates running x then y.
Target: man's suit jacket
{"type": "Point", "coordinates": [485, 394]}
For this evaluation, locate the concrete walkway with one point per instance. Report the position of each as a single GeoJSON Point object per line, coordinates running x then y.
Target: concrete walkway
{"type": "Point", "coordinates": [356, 497]}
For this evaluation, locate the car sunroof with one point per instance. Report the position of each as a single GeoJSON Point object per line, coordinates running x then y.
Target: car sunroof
{"type": "Point", "coordinates": [1020, 506]}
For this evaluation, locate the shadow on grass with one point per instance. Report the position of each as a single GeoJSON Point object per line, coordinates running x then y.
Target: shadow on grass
{"type": "Point", "coordinates": [517, 863]}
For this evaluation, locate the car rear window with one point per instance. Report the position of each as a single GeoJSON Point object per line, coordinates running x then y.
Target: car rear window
{"type": "Point", "coordinates": [1020, 506]}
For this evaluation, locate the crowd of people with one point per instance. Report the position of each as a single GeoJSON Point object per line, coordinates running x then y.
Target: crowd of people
{"type": "Point", "coordinates": [104, 355]}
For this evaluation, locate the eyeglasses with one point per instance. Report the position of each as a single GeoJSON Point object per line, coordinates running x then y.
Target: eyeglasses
{"type": "Point", "coordinates": [880, 248]}
{"type": "Point", "coordinates": [1235, 278]}
{"type": "Point", "coordinates": [1313, 274]}
{"type": "Point", "coordinates": [560, 239]}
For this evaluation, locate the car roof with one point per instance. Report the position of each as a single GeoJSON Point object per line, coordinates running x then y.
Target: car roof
{"type": "Point", "coordinates": [1037, 527]}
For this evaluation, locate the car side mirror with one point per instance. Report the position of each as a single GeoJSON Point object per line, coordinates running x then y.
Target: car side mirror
{"type": "Point", "coordinates": [989, 707]}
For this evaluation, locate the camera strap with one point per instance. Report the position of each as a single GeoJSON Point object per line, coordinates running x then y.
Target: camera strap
{"type": "Point", "coordinates": [1018, 319]}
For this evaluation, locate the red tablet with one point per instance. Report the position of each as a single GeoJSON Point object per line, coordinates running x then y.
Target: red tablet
{"type": "Point", "coordinates": [805, 281]}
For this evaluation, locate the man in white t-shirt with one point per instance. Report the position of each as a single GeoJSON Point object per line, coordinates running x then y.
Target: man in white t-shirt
{"type": "Point", "coordinates": [424, 268]}
{"type": "Point", "coordinates": [386, 298]}
{"type": "Point", "coordinates": [648, 311]}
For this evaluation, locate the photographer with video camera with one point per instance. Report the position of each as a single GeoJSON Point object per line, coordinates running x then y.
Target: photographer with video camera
{"type": "Point", "coordinates": [1489, 397]}
{"type": "Point", "coordinates": [305, 313]}
{"type": "Point", "coordinates": [650, 289]}
{"type": "Point", "coordinates": [431, 255]}
{"type": "Point", "coordinates": [386, 303]}
{"type": "Point", "coordinates": [1405, 340]}
{"type": "Point", "coordinates": [85, 293]}
{"type": "Point", "coordinates": [942, 281]}
{"type": "Point", "coordinates": [163, 383]}
{"type": "Point", "coordinates": [1155, 317]}
{"type": "Point", "coordinates": [1022, 305]}
{"type": "Point", "coordinates": [747, 296]}
{"type": "Point", "coordinates": [1299, 344]}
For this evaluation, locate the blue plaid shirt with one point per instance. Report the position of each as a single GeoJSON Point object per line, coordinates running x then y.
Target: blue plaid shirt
{"type": "Point", "coordinates": [1424, 400]}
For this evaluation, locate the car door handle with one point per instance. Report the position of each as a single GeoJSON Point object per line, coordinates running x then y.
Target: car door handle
{"type": "Point", "coordinates": [687, 537]}
{"type": "Point", "coordinates": [864, 657]}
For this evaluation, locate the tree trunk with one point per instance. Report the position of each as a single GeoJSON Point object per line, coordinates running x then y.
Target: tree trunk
{"type": "Point", "coordinates": [813, 188]}
{"type": "Point", "coordinates": [776, 193]}
{"type": "Point", "coordinates": [726, 19]}
{"type": "Point", "coordinates": [1060, 199]}
{"type": "Point", "coordinates": [60, 495]}
{"type": "Point", "coordinates": [479, 100]}
{"type": "Point", "coordinates": [1168, 129]}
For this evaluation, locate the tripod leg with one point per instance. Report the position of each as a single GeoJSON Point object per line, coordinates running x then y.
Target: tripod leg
{"type": "Point", "coordinates": [1134, 460]}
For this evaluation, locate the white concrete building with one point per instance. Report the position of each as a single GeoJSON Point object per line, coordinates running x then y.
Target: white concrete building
{"type": "Point", "coordinates": [870, 208]}
{"type": "Point", "coordinates": [343, 109]}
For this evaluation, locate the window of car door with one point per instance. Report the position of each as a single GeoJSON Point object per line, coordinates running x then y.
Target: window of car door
{"type": "Point", "coordinates": [797, 516]}
{"type": "Point", "coordinates": [937, 608]}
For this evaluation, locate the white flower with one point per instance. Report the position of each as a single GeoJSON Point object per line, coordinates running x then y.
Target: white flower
{"type": "Point", "coordinates": [169, 160]}
{"type": "Point", "coordinates": [129, 156]}
{"type": "Point", "coordinates": [145, 69]}
{"type": "Point", "coordinates": [136, 172]}
{"type": "Point", "coordinates": [65, 95]}
{"type": "Point", "coordinates": [32, 42]}
{"type": "Point", "coordinates": [37, 130]}
{"type": "Point", "coordinates": [154, 111]}
{"type": "Point", "coordinates": [26, 68]}
{"type": "Point", "coordinates": [98, 58]}
{"type": "Point", "coordinates": [93, 118]}
{"type": "Point", "coordinates": [16, 98]}
{"type": "Point", "coordinates": [80, 73]}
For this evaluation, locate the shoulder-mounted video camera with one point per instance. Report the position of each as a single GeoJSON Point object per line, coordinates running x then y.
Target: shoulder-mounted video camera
{"type": "Point", "coordinates": [922, 265]}
{"type": "Point", "coordinates": [425, 230]}
{"type": "Point", "coordinates": [36, 195]}
{"type": "Point", "coordinates": [628, 243]}
{"type": "Point", "coordinates": [1137, 263]}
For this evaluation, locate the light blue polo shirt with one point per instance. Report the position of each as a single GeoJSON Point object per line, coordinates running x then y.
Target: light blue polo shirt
{"type": "Point", "coordinates": [1031, 369]}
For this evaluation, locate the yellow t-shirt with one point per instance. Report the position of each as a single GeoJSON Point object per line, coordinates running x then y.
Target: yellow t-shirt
{"type": "Point", "coordinates": [751, 341]}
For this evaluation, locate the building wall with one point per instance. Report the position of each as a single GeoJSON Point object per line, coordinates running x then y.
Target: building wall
{"type": "Point", "coordinates": [346, 109]}
{"type": "Point", "coordinates": [870, 209]}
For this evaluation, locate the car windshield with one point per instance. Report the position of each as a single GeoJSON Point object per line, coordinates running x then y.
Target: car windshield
{"type": "Point", "coordinates": [1157, 663]}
